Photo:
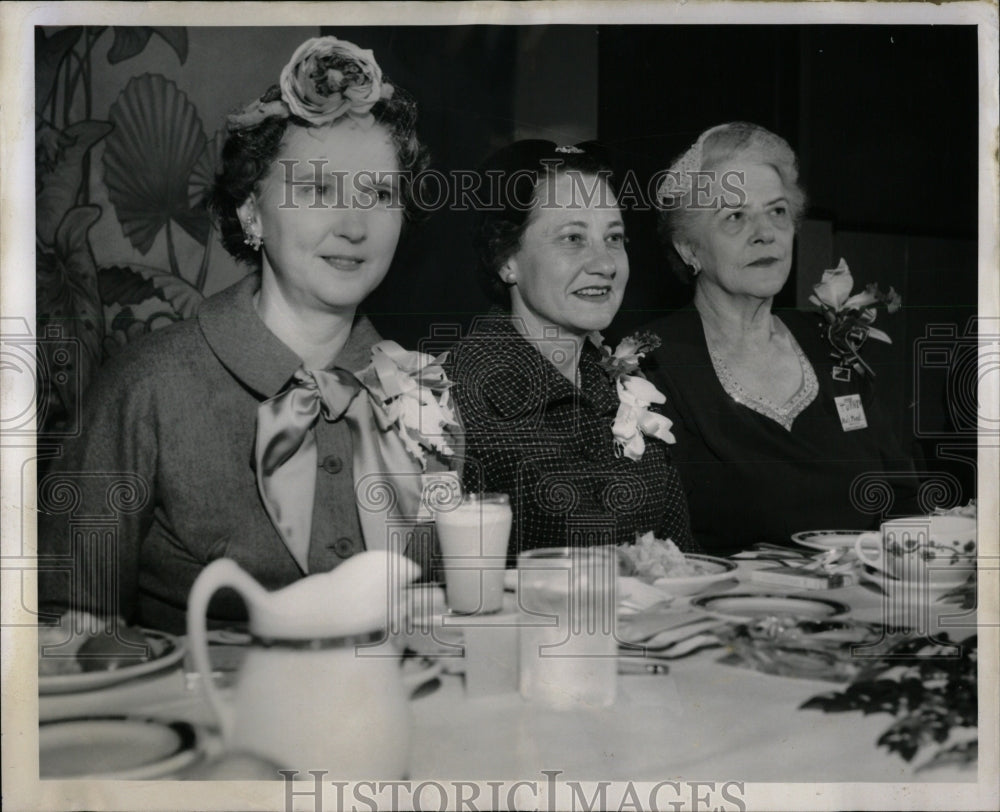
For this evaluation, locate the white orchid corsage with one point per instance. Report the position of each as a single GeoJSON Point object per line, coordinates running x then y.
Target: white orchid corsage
{"type": "Point", "coordinates": [849, 318]}
{"type": "Point", "coordinates": [326, 78]}
{"type": "Point", "coordinates": [409, 392]}
{"type": "Point", "coordinates": [634, 421]}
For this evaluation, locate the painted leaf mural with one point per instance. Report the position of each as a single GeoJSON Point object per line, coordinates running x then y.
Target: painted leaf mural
{"type": "Point", "coordinates": [49, 53]}
{"type": "Point", "coordinates": [148, 160]}
{"type": "Point", "coordinates": [60, 185]}
{"type": "Point", "coordinates": [50, 146]}
{"type": "Point", "coordinates": [155, 139]}
{"type": "Point", "coordinates": [134, 284]}
{"type": "Point", "coordinates": [131, 40]}
{"type": "Point", "coordinates": [199, 186]}
{"type": "Point", "coordinates": [205, 168]}
{"type": "Point", "coordinates": [123, 286]}
{"type": "Point", "coordinates": [67, 297]}
{"type": "Point", "coordinates": [138, 299]}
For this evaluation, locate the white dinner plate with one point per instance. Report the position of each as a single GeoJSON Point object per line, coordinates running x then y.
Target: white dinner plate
{"type": "Point", "coordinates": [711, 568]}
{"type": "Point", "coordinates": [747, 606]}
{"type": "Point", "coordinates": [116, 747]}
{"type": "Point", "coordinates": [166, 651]}
{"type": "Point", "coordinates": [826, 539]}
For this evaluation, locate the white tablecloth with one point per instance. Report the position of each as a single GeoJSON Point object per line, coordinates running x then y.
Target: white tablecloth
{"type": "Point", "coordinates": [704, 720]}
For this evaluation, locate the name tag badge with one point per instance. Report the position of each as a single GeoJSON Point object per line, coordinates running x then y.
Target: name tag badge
{"type": "Point", "coordinates": [852, 413]}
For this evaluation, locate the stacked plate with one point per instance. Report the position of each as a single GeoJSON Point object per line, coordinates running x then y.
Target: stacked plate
{"type": "Point", "coordinates": [163, 651]}
{"type": "Point", "coordinates": [116, 747]}
{"type": "Point", "coordinates": [77, 740]}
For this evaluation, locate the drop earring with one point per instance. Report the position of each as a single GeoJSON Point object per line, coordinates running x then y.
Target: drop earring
{"type": "Point", "coordinates": [249, 237]}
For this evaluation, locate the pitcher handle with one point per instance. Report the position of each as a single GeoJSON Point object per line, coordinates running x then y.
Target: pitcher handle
{"type": "Point", "coordinates": [220, 573]}
{"type": "Point", "coordinates": [863, 552]}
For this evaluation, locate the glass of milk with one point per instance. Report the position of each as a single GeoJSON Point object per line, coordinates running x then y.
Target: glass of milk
{"type": "Point", "coordinates": [473, 536]}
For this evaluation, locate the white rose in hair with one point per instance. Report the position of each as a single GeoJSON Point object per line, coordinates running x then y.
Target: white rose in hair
{"type": "Point", "coordinates": [327, 78]}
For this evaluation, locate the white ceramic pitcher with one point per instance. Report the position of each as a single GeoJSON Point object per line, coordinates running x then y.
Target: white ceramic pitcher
{"type": "Point", "coordinates": [315, 692]}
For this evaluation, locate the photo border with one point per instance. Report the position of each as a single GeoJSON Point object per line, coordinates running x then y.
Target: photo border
{"type": "Point", "coordinates": [18, 656]}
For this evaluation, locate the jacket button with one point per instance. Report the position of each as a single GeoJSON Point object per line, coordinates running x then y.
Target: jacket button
{"type": "Point", "coordinates": [342, 547]}
{"type": "Point", "coordinates": [332, 464]}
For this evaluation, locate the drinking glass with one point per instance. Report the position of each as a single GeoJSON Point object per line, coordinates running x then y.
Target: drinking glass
{"type": "Point", "coordinates": [568, 650]}
{"type": "Point", "coordinates": [473, 536]}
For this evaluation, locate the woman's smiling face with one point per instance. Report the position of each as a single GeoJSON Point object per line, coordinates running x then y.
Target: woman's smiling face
{"type": "Point", "coordinates": [571, 268]}
{"type": "Point", "coordinates": [743, 247]}
{"type": "Point", "coordinates": [329, 214]}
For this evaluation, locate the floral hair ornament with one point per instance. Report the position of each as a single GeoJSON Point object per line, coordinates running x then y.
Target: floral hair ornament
{"type": "Point", "coordinates": [634, 421]}
{"type": "Point", "coordinates": [849, 318]}
{"type": "Point", "coordinates": [326, 78]}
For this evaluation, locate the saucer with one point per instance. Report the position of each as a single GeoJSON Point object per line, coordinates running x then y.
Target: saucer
{"type": "Point", "coordinates": [744, 607]}
{"type": "Point", "coordinates": [826, 539]}
{"type": "Point", "coordinates": [117, 747]}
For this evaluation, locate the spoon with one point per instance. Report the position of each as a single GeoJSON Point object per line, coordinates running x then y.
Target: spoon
{"type": "Point", "coordinates": [767, 546]}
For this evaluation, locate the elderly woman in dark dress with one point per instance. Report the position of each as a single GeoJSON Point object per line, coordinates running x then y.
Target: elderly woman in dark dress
{"type": "Point", "coordinates": [244, 433]}
{"type": "Point", "coordinates": [548, 418]}
{"type": "Point", "coordinates": [771, 438]}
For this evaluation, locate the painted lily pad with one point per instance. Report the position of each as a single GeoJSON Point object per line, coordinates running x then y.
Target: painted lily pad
{"type": "Point", "coordinates": [149, 157]}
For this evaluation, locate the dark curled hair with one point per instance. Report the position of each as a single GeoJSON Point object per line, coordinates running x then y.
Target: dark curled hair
{"type": "Point", "coordinates": [510, 181]}
{"type": "Point", "coordinates": [249, 154]}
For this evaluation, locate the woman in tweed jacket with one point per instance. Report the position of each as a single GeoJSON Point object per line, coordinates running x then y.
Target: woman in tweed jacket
{"type": "Point", "coordinates": [168, 473]}
{"type": "Point", "coordinates": [543, 409]}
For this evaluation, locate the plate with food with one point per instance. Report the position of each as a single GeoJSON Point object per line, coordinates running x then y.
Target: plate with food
{"type": "Point", "coordinates": [748, 606]}
{"type": "Point", "coordinates": [661, 563]}
{"type": "Point", "coordinates": [117, 747]}
{"type": "Point", "coordinates": [826, 539]}
{"type": "Point", "coordinates": [69, 662]}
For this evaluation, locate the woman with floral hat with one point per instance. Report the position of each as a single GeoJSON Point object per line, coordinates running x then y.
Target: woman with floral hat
{"type": "Point", "coordinates": [778, 429]}
{"type": "Point", "coordinates": [270, 428]}
{"type": "Point", "coordinates": [552, 417]}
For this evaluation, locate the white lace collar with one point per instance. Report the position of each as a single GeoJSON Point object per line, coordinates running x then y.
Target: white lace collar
{"type": "Point", "coordinates": [784, 414]}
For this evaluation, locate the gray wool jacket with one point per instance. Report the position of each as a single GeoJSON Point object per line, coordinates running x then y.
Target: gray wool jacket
{"type": "Point", "coordinates": [161, 480]}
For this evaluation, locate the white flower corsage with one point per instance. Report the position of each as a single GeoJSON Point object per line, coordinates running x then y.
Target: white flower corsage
{"type": "Point", "coordinates": [409, 392]}
{"type": "Point", "coordinates": [849, 318]}
{"type": "Point", "coordinates": [634, 421]}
